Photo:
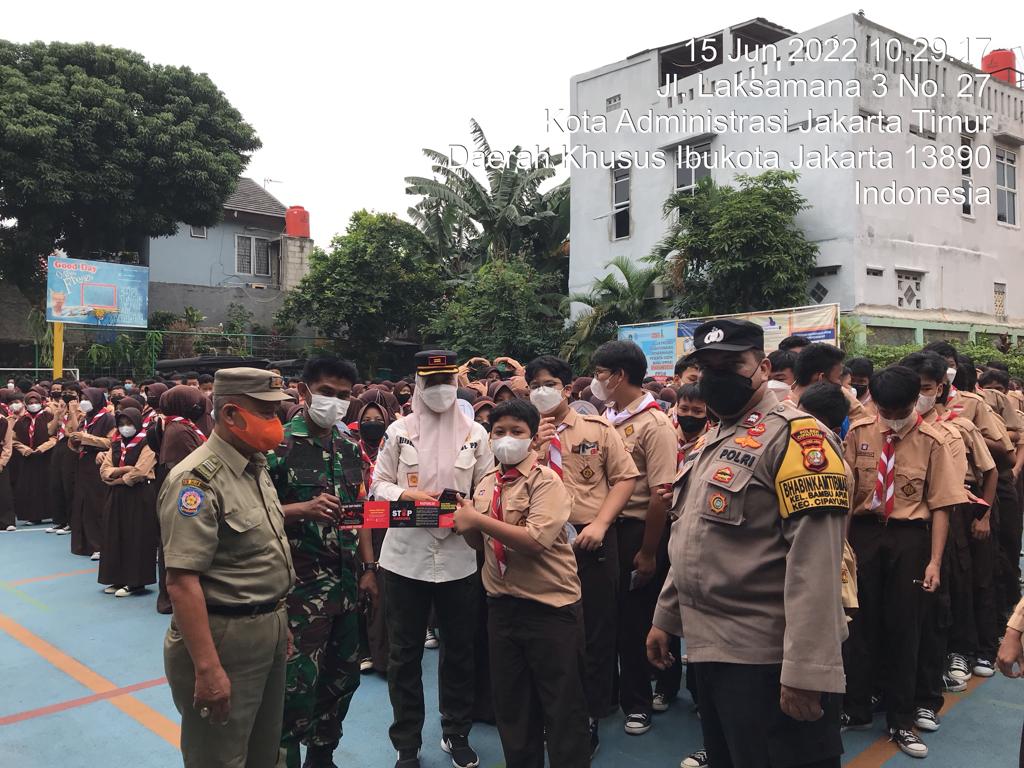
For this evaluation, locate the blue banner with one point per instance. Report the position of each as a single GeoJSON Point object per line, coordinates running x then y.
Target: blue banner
{"type": "Point", "coordinates": [96, 293]}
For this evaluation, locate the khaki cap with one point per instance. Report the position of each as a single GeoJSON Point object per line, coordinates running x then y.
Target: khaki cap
{"type": "Point", "coordinates": [262, 385]}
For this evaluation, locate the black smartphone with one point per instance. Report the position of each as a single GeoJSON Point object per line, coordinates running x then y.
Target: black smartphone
{"type": "Point", "coordinates": [449, 496]}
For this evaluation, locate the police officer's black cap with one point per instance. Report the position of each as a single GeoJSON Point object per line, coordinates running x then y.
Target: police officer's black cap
{"type": "Point", "coordinates": [433, 361]}
{"type": "Point", "coordinates": [728, 336]}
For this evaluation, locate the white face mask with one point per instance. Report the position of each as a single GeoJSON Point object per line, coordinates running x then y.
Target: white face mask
{"type": "Point", "coordinates": [34, 407]}
{"type": "Point", "coordinates": [85, 406]}
{"type": "Point", "coordinates": [439, 398]}
{"type": "Point", "coordinates": [599, 389]}
{"type": "Point", "coordinates": [10, 385]}
{"type": "Point", "coordinates": [546, 399]}
{"type": "Point", "coordinates": [127, 431]}
{"type": "Point", "coordinates": [925, 403]}
{"type": "Point", "coordinates": [950, 375]}
{"type": "Point", "coordinates": [778, 386]}
{"type": "Point", "coordinates": [510, 450]}
{"type": "Point", "coordinates": [16, 407]}
{"type": "Point", "coordinates": [323, 410]}
{"type": "Point", "coordinates": [896, 425]}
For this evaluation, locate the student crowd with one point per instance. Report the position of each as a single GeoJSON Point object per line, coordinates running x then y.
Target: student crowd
{"type": "Point", "coordinates": [832, 541]}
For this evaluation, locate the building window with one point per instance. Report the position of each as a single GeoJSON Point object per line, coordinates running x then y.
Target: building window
{"type": "Point", "coordinates": [243, 255]}
{"type": "Point", "coordinates": [819, 292]}
{"type": "Point", "coordinates": [613, 102]}
{"type": "Point", "coordinates": [875, 272]}
{"type": "Point", "coordinates": [195, 231]}
{"type": "Point", "coordinates": [261, 263]}
{"type": "Point", "coordinates": [966, 153]}
{"type": "Point", "coordinates": [620, 203]}
{"type": "Point", "coordinates": [1006, 186]}
{"type": "Point", "coordinates": [999, 300]}
{"type": "Point", "coordinates": [908, 289]}
{"type": "Point", "coordinates": [691, 166]}
{"type": "Point", "coordinates": [252, 256]}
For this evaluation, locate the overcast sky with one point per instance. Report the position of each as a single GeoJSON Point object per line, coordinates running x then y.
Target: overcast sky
{"type": "Point", "coordinates": [345, 95]}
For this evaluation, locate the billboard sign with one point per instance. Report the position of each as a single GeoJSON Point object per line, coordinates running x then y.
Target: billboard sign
{"type": "Point", "coordinates": [97, 293]}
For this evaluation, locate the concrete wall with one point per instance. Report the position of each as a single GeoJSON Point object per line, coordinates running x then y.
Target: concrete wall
{"type": "Point", "coordinates": [213, 302]}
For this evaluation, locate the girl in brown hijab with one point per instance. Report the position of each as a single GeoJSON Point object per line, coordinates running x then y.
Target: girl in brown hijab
{"type": "Point", "coordinates": [32, 443]}
{"type": "Point", "coordinates": [95, 426]}
{"type": "Point", "coordinates": [6, 492]}
{"type": "Point", "coordinates": [131, 530]}
{"type": "Point", "coordinates": [152, 394]}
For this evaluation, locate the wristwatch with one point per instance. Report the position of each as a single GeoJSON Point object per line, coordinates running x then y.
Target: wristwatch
{"type": "Point", "coordinates": [366, 567]}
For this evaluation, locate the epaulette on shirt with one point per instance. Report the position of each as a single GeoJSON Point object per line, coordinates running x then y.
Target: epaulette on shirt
{"type": "Point", "coordinates": [596, 419]}
{"type": "Point", "coordinates": [208, 468]}
{"type": "Point", "coordinates": [862, 422]}
{"type": "Point", "coordinates": [941, 436]}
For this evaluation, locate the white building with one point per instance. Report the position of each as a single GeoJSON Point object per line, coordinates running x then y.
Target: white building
{"type": "Point", "coordinates": [935, 268]}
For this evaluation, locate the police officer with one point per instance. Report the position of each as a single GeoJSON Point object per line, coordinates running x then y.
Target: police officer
{"type": "Point", "coordinates": [315, 470]}
{"type": "Point", "coordinates": [228, 570]}
{"type": "Point", "coordinates": [756, 555]}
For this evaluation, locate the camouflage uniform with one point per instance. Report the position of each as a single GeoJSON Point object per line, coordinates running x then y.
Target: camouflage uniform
{"type": "Point", "coordinates": [323, 673]}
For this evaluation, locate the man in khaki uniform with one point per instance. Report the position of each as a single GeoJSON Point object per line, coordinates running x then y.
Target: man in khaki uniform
{"type": "Point", "coordinates": [600, 476]}
{"type": "Point", "coordinates": [229, 568]}
{"type": "Point", "coordinates": [756, 555]}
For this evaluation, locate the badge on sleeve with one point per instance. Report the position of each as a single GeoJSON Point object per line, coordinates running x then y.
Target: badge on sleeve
{"type": "Point", "coordinates": [747, 442]}
{"type": "Point", "coordinates": [190, 499]}
{"type": "Point", "coordinates": [723, 475]}
{"type": "Point", "coordinates": [752, 418]}
{"type": "Point", "coordinates": [718, 502]}
{"type": "Point", "coordinates": [812, 476]}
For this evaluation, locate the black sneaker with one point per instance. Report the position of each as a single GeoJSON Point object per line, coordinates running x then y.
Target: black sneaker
{"type": "Point", "coordinates": [595, 740]}
{"type": "Point", "coordinates": [849, 724]}
{"type": "Point", "coordinates": [926, 719]}
{"type": "Point", "coordinates": [637, 724]}
{"type": "Point", "coordinates": [408, 758]}
{"type": "Point", "coordinates": [698, 759]}
{"type": "Point", "coordinates": [908, 742]}
{"type": "Point", "coordinates": [318, 756]}
{"type": "Point", "coordinates": [461, 753]}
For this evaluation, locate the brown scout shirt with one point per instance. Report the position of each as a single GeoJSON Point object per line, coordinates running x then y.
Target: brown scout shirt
{"type": "Point", "coordinates": [974, 408]}
{"type": "Point", "coordinates": [1003, 407]}
{"type": "Point", "coordinates": [757, 550]}
{"type": "Point", "coordinates": [220, 516]}
{"type": "Point", "coordinates": [593, 460]}
{"type": "Point", "coordinates": [538, 502]}
{"type": "Point", "coordinates": [927, 476]}
{"type": "Point", "coordinates": [979, 458]}
{"type": "Point", "coordinates": [650, 439]}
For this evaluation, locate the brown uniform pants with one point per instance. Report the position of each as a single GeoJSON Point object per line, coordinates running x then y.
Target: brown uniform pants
{"type": "Point", "coordinates": [253, 653]}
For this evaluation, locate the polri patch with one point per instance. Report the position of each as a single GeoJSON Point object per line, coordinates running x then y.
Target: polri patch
{"type": "Point", "coordinates": [723, 475]}
{"type": "Point", "coordinates": [747, 442]}
{"type": "Point", "coordinates": [757, 430]}
{"type": "Point", "coordinates": [752, 418]}
{"type": "Point", "coordinates": [718, 502]}
{"type": "Point", "coordinates": [190, 500]}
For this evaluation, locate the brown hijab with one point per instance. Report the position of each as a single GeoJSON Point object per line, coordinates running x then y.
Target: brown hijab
{"type": "Point", "coordinates": [180, 437]}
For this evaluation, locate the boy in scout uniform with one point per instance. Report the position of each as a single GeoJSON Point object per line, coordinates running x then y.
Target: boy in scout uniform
{"type": "Point", "coordinates": [599, 474]}
{"type": "Point", "coordinates": [517, 518]}
{"type": "Point", "coordinates": [619, 371]}
{"type": "Point", "coordinates": [756, 554]}
{"type": "Point", "coordinates": [906, 482]}
{"type": "Point", "coordinates": [433, 449]}
{"type": "Point", "coordinates": [229, 568]}
{"type": "Point", "coordinates": [315, 469]}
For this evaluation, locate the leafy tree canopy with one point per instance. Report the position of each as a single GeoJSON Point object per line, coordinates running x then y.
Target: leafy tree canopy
{"type": "Point", "coordinates": [737, 249]}
{"type": "Point", "coordinates": [100, 149]}
{"type": "Point", "coordinates": [376, 279]}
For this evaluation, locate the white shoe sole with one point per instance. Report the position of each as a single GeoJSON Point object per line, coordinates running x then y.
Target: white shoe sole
{"type": "Point", "coordinates": [984, 672]}
{"type": "Point", "coordinates": [919, 754]}
{"type": "Point", "coordinates": [660, 707]}
{"type": "Point", "coordinates": [928, 726]}
{"type": "Point", "coordinates": [444, 748]}
{"type": "Point", "coordinates": [636, 730]}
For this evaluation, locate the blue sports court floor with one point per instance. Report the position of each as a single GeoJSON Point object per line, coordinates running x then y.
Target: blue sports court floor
{"type": "Point", "coordinates": [82, 686]}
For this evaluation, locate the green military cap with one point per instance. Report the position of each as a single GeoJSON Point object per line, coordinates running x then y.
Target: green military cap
{"type": "Point", "coordinates": [262, 385]}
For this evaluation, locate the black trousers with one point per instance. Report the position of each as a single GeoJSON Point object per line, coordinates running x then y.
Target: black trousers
{"type": "Point", "coordinates": [537, 669]}
{"type": "Point", "coordinates": [407, 609]}
{"type": "Point", "coordinates": [1010, 529]}
{"type": "Point", "coordinates": [636, 612]}
{"type": "Point", "coordinates": [885, 633]}
{"type": "Point", "coordinates": [599, 580]}
{"type": "Point", "coordinates": [744, 727]}
{"type": "Point", "coordinates": [936, 624]}
{"type": "Point", "coordinates": [63, 465]}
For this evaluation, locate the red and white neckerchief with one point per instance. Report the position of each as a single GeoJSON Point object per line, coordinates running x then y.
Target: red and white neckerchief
{"type": "Point", "coordinates": [684, 449]}
{"type": "Point", "coordinates": [371, 463]}
{"type": "Point", "coordinates": [555, 450]}
{"type": "Point", "coordinates": [620, 417]}
{"type": "Point", "coordinates": [62, 430]}
{"type": "Point", "coordinates": [500, 478]}
{"type": "Point", "coordinates": [187, 422]}
{"type": "Point", "coordinates": [89, 424]}
{"type": "Point", "coordinates": [139, 437]}
{"type": "Point", "coordinates": [885, 483]}
{"type": "Point", "coordinates": [32, 418]}
{"type": "Point", "coordinates": [147, 418]}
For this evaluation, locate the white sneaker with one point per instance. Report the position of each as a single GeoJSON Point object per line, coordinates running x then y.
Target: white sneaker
{"type": "Point", "coordinates": [957, 668]}
{"type": "Point", "coordinates": [637, 724]}
{"type": "Point", "coordinates": [430, 641]}
{"type": "Point", "coordinates": [95, 556]}
{"type": "Point", "coordinates": [10, 528]}
{"type": "Point", "coordinates": [660, 702]}
{"type": "Point", "coordinates": [64, 531]}
{"type": "Point", "coordinates": [908, 742]}
{"type": "Point", "coordinates": [698, 759]}
{"type": "Point", "coordinates": [111, 589]}
{"type": "Point", "coordinates": [366, 665]}
{"type": "Point", "coordinates": [129, 591]}
{"type": "Point", "coordinates": [983, 668]}
{"type": "Point", "coordinates": [926, 719]}
{"type": "Point", "coordinates": [52, 529]}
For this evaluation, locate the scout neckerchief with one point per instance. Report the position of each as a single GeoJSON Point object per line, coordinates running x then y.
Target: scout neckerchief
{"type": "Point", "coordinates": [62, 430]}
{"type": "Point", "coordinates": [125, 448]}
{"type": "Point", "coordinates": [555, 450]}
{"type": "Point", "coordinates": [683, 449]}
{"type": "Point", "coordinates": [620, 417]}
{"type": "Point", "coordinates": [32, 418]}
{"type": "Point", "coordinates": [885, 483]}
{"type": "Point", "coordinates": [187, 422]}
{"type": "Point", "coordinates": [371, 463]}
{"type": "Point", "coordinates": [500, 479]}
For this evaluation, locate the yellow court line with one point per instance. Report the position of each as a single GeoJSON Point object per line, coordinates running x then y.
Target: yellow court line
{"type": "Point", "coordinates": [141, 713]}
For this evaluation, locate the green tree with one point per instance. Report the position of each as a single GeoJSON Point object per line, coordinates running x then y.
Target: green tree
{"type": "Point", "coordinates": [737, 249]}
{"type": "Point", "coordinates": [100, 149]}
{"type": "Point", "coordinates": [506, 307]}
{"type": "Point", "coordinates": [377, 280]}
{"type": "Point", "coordinates": [612, 302]}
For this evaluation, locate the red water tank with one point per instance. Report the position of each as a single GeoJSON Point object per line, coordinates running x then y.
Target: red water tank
{"type": "Point", "coordinates": [296, 221]}
{"type": "Point", "coordinates": [1001, 64]}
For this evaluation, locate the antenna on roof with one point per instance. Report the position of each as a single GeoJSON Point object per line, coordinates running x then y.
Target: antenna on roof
{"type": "Point", "coordinates": [271, 181]}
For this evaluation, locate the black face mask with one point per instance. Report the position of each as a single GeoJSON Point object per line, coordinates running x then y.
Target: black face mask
{"type": "Point", "coordinates": [116, 399]}
{"type": "Point", "coordinates": [485, 424]}
{"type": "Point", "coordinates": [372, 431]}
{"type": "Point", "coordinates": [861, 389]}
{"type": "Point", "coordinates": [67, 397]}
{"type": "Point", "coordinates": [692, 424]}
{"type": "Point", "coordinates": [726, 392]}
{"type": "Point", "coordinates": [403, 397]}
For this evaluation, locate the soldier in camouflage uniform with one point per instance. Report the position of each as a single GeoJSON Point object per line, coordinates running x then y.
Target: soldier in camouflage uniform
{"type": "Point", "coordinates": [315, 469]}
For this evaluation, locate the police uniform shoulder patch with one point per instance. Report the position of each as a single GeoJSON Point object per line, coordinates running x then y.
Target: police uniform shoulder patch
{"type": "Point", "coordinates": [812, 476]}
{"type": "Point", "coordinates": [208, 468]}
{"type": "Point", "coordinates": [190, 499]}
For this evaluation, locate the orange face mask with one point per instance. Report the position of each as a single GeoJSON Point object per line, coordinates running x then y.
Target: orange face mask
{"type": "Point", "coordinates": [259, 433]}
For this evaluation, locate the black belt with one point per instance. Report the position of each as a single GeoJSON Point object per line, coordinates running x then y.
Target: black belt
{"type": "Point", "coordinates": [879, 520]}
{"type": "Point", "coordinates": [250, 609]}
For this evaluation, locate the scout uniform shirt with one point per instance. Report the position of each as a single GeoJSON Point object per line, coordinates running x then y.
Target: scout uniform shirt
{"type": "Point", "coordinates": [756, 552]}
{"type": "Point", "coordinates": [974, 408]}
{"type": "Point", "coordinates": [1003, 407]}
{"type": "Point", "coordinates": [427, 554]}
{"type": "Point", "coordinates": [651, 440]}
{"type": "Point", "coordinates": [538, 502]}
{"type": "Point", "coordinates": [979, 458]}
{"type": "Point", "coordinates": [220, 516]}
{"type": "Point", "coordinates": [594, 459]}
{"type": "Point", "coordinates": [324, 557]}
{"type": "Point", "coordinates": [927, 476]}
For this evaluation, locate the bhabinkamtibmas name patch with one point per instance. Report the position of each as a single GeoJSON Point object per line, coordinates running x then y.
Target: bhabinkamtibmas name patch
{"type": "Point", "coordinates": [812, 476]}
